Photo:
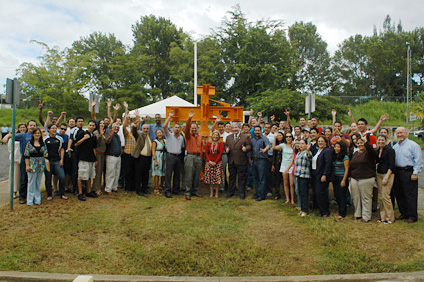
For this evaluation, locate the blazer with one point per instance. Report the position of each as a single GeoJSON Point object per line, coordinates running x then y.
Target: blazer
{"type": "Point", "coordinates": [236, 155]}
{"type": "Point", "coordinates": [139, 145]}
{"type": "Point", "coordinates": [324, 164]}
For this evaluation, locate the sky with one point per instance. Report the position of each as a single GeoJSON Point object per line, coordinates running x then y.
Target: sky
{"type": "Point", "coordinates": [61, 22]}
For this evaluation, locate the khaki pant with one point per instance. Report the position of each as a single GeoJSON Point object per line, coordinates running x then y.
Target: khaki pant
{"type": "Point", "coordinates": [361, 190]}
{"type": "Point", "coordinates": [386, 210]}
{"type": "Point", "coordinates": [17, 176]}
{"type": "Point", "coordinates": [97, 183]}
{"type": "Point", "coordinates": [113, 169]}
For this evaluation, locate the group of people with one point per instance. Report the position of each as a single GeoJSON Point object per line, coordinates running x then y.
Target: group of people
{"type": "Point", "coordinates": [305, 160]}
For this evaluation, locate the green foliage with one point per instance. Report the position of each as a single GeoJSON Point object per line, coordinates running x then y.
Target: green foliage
{"type": "Point", "coordinates": [373, 110]}
{"type": "Point", "coordinates": [277, 102]}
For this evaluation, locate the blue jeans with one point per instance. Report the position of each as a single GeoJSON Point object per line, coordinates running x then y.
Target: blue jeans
{"type": "Point", "coordinates": [259, 174]}
{"type": "Point", "coordinates": [60, 173]}
{"type": "Point", "coordinates": [296, 190]}
{"type": "Point", "coordinates": [250, 180]}
{"type": "Point", "coordinates": [303, 187]}
{"type": "Point", "coordinates": [34, 194]}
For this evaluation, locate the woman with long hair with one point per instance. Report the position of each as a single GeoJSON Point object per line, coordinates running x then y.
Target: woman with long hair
{"type": "Point", "coordinates": [159, 161]}
{"type": "Point", "coordinates": [385, 178]}
{"type": "Point", "coordinates": [100, 156]}
{"type": "Point", "coordinates": [302, 172]}
{"type": "Point", "coordinates": [341, 172]}
{"type": "Point", "coordinates": [214, 172]}
{"type": "Point", "coordinates": [287, 166]}
{"type": "Point", "coordinates": [276, 164]}
{"type": "Point", "coordinates": [35, 161]}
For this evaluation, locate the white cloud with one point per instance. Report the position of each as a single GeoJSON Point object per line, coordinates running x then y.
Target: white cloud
{"type": "Point", "coordinates": [61, 22]}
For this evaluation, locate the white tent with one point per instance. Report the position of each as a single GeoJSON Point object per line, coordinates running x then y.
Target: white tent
{"type": "Point", "coordinates": [160, 107]}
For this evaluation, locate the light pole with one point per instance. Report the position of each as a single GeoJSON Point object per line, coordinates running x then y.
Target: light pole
{"type": "Point", "coordinates": [408, 80]}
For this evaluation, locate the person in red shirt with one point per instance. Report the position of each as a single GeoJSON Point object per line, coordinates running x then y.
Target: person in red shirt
{"type": "Point", "coordinates": [214, 172]}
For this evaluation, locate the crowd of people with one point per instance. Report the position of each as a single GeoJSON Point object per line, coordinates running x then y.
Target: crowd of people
{"type": "Point", "coordinates": [304, 161]}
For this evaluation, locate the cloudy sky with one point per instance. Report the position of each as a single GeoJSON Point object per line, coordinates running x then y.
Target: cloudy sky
{"type": "Point", "coordinates": [60, 22]}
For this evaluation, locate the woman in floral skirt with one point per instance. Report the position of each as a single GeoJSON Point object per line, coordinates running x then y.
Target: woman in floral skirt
{"type": "Point", "coordinates": [214, 172]}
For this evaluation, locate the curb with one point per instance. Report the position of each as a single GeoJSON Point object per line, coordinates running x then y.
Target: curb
{"type": "Point", "coordinates": [53, 277]}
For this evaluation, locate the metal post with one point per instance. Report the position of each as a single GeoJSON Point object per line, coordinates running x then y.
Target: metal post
{"type": "Point", "coordinates": [12, 154]}
{"type": "Point", "coordinates": [310, 106]}
{"type": "Point", "coordinates": [408, 79]}
{"type": "Point", "coordinates": [195, 73]}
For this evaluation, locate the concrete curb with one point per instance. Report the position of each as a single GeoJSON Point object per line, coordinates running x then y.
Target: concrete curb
{"type": "Point", "coordinates": [53, 277]}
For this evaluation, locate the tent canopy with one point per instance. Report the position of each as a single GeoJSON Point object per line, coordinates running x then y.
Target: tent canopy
{"type": "Point", "coordinates": [160, 107]}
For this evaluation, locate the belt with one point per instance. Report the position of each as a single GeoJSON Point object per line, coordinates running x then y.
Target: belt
{"type": "Point", "coordinates": [260, 159]}
{"type": "Point", "coordinates": [174, 154]}
{"type": "Point", "coordinates": [116, 155]}
{"type": "Point", "coordinates": [196, 154]}
{"type": "Point", "coordinates": [406, 168]}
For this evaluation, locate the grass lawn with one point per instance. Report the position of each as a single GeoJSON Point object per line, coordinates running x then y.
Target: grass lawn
{"type": "Point", "coordinates": [126, 234]}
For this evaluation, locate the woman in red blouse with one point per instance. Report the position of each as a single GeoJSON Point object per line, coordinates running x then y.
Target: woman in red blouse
{"type": "Point", "coordinates": [214, 173]}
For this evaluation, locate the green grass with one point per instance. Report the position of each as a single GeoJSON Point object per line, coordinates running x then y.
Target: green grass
{"type": "Point", "coordinates": [126, 234]}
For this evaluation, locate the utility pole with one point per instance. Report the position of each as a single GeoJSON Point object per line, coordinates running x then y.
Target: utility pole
{"type": "Point", "coordinates": [408, 80]}
{"type": "Point", "coordinates": [195, 74]}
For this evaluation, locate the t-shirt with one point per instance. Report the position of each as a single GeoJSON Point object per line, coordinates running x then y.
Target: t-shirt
{"type": "Point", "coordinates": [338, 166]}
{"type": "Point", "coordinates": [54, 144]}
{"type": "Point", "coordinates": [287, 155]}
{"type": "Point", "coordinates": [85, 151]}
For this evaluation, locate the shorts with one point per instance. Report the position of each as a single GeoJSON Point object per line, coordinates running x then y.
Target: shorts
{"type": "Point", "coordinates": [284, 168]}
{"type": "Point", "coordinates": [86, 170]}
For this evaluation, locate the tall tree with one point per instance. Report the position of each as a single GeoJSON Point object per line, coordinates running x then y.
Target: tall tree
{"type": "Point", "coordinates": [94, 60]}
{"type": "Point", "coordinates": [51, 81]}
{"type": "Point", "coordinates": [153, 39]}
{"type": "Point", "coordinates": [257, 56]}
{"type": "Point", "coordinates": [312, 59]}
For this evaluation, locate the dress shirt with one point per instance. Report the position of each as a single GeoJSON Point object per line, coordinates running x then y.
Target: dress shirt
{"type": "Point", "coordinates": [270, 137]}
{"type": "Point", "coordinates": [174, 143]}
{"type": "Point", "coordinates": [408, 153]}
{"type": "Point", "coordinates": [257, 144]}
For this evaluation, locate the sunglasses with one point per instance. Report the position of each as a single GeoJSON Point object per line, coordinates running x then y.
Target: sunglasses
{"type": "Point", "coordinates": [289, 136]}
{"type": "Point", "coordinates": [63, 129]}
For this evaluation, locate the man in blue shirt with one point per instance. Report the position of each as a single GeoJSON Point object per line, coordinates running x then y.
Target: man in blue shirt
{"type": "Point", "coordinates": [408, 164]}
{"type": "Point", "coordinates": [23, 139]}
{"type": "Point", "coordinates": [154, 127]}
{"type": "Point", "coordinates": [4, 130]}
{"type": "Point", "coordinates": [260, 147]}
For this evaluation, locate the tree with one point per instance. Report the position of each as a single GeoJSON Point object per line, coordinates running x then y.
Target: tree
{"type": "Point", "coordinates": [257, 57]}
{"type": "Point", "coordinates": [153, 39]}
{"type": "Point", "coordinates": [96, 61]}
{"type": "Point", "coordinates": [51, 81]}
{"type": "Point", "coordinates": [312, 59]}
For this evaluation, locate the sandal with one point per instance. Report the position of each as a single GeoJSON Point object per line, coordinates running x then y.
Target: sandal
{"type": "Point", "coordinates": [63, 197]}
{"type": "Point", "coordinates": [49, 198]}
{"type": "Point", "coordinates": [157, 192]}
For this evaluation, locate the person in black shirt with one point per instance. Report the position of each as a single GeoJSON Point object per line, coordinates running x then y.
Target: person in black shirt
{"type": "Point", "coordinates": [56, 151]}
{"type": "Point", "coordinates": [86, 142]}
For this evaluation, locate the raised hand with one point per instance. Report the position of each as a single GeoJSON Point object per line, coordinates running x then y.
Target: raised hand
{"type": "Point", "coordinates": [272, 118]}
{"type": "Point", "coordinates": [191, 114]}
{"type": "Point", "coordinates": [125, 105]}
{"type": "Point", "coordinates": [333, 112]}
{"type": "Point", "coordinates": [219, 118]}
{"type": "Point", "coordinates": [117, 107]}
{"type": "Point", "coordinates": [109, 103]}
{"type": "Point", "coordinates": [287, 113]}
{"type": "Point", "coordinates": [251, 112]}
{"type": "Point", "coordinates": [349, 113]}
{"type": "Point", "coordinates": [63, 114]}
{"type": "Point", "coordinates": [171, 113]}
{"type": "Point", "coordinates": [93, 103]}
{"type": "Point", "coordinates": [260, 114]}
{"type": "Point", "coordinates": [384, 117]}
{"type": "Point", "coordinates": [40, 104]}
{"type": "Point", "coordinates": [49, 113]}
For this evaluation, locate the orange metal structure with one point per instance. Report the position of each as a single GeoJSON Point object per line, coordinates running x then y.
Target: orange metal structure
{"type": "Point", "coordinates": [206, 113]}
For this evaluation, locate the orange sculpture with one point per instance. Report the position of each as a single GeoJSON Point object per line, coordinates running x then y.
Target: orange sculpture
{"type": "Point", "coordinates": [206, 113]}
